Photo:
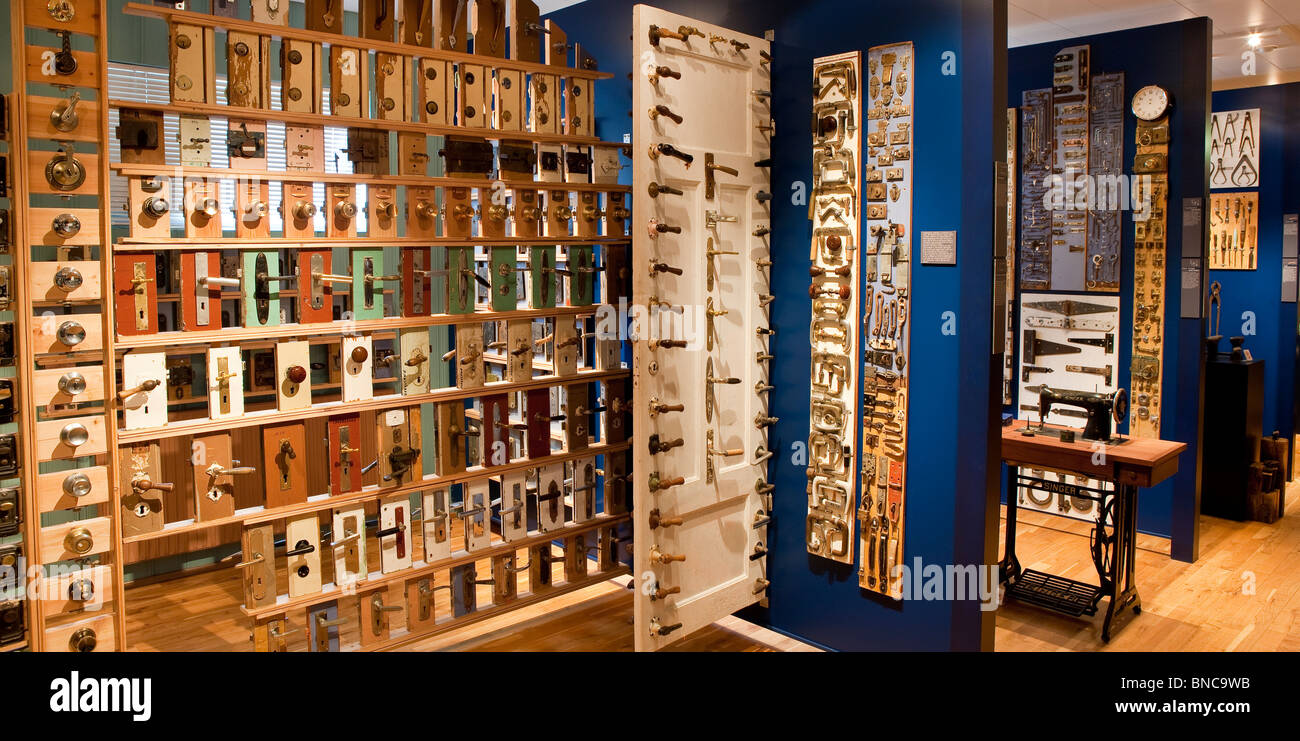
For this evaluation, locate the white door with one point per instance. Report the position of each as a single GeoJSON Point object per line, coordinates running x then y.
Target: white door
{"type": "Point", "coordinates": [694, 539]}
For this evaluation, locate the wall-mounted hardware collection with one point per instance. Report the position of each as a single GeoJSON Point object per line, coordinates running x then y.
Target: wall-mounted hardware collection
{"type": "Point", "coordinates": [435, 333]}
{"type": "Point", "coordinates": [1234, 231]}
{"type": "Point", "coordinates": [1071, 197]}
{"type": "Point", "coordinates": [1012, 285]}
{"type": "Point", "coordinates": [1234, 149]}
{"type": "Point", "coordinates": [1036, 244]}
{"type": "Point", "coordinates": [1071, 86]}
{"type": "Point", "coordinates": [886, 309]}
{"type": "Point", "coordinates": [61, 458]}
{"type": "Point", "coordinates": [1066, 342]}
{"type": "Point", "coordinates": [1151, 107]}
{"type": "Point", "coordinates": [702, 114]}
{"type": "Point", "coordinates": [1105, 168]}
{"type": "Point", "coordinates": [835, 209]}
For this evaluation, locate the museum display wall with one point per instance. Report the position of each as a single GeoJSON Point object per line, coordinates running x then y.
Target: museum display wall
{"type": "Point", "coordinates": [1174, 57]}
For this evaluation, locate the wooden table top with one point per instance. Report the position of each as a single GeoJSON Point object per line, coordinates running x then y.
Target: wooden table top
{"type": "Point", "coordinates": [1136, 461]}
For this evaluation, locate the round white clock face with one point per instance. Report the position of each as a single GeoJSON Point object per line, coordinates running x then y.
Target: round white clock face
{"type": "Point", "coordinates": [1150, 103]}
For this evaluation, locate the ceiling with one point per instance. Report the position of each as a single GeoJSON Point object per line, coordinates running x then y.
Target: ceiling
{"type": "Point", "coordinates": [1277, 21]}
{"type": "Point", "coordinates": [1038, 21]}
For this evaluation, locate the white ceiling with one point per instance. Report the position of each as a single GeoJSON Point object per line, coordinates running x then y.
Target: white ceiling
{"type": "Point", "coordinates": [1036, 21]}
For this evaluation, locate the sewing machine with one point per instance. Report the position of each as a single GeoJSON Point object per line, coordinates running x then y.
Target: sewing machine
{"type": "Point", "coordinates": [1101, 410]}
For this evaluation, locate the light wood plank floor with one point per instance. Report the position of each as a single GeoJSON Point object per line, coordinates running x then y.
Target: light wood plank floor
{"type": "Point", "coordinates": [1243, 595]}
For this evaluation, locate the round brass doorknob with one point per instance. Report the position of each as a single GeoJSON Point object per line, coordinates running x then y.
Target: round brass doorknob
{"type": "Point", "coordinates": [210, 207]}
{"type": "Point", "coordinates": [77, 485]}
{"type": "Point", "coordinates": [74, 434]}
{"type": "Point", "coordinates": [304, 210]}
{"type": "Point", "coordinates": [65, 173]}
{"type": "Point", "coordinates": [79, 541]}
{"type": "Point", "coordinates": [83, 641]}
{"type": "Point", "coordinates": [345, 209]}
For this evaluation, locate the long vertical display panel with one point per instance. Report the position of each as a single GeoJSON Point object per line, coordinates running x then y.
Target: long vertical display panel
{"type": "Point", "coordinates": [66, 357]}
{"type": "Point", "coordinates": [702, 269]}
{"type": "Point", "coordinates": [836, 253]}
{"type": "Point", "coordinates": [886, 304]}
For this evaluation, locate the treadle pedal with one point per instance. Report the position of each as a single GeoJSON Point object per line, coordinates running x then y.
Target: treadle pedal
{"type": "Point", "coordinates": [1057, 593]}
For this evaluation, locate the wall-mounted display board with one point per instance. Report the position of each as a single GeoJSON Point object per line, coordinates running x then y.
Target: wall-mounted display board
{"type": "Point", "coordinates": [1036, 244]}
{"type": "Point", "coordinates": [1105, 173]}
{"type": "Point", "coordinates": [886, 307]}
{"type": "Point", "coordinates": [1234, 149]}
{"type": "Point", "coordinates": [1008, 355]}
{"type": "Point", "coordinates": [1071, 197]}
{"type": "Point", "coordinates": [1234, 231]}
{"type": "Point", "coordinates": [1150, 106]}
{"type": "Point", "coordinates": [702, 264]}
{"type": "Point", "coordinates": [1068, 342]}
{"type": "Point", "coordinates": [835, 210]}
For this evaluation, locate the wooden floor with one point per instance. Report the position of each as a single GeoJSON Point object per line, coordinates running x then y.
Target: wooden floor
{"type": "Point", "coordinates": [201, 613]}
{"type": "Point", "coordinates": [1243, 595]}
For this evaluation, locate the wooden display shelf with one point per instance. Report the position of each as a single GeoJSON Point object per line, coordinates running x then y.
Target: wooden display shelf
{"type": "Point", "coordinates": [321, 37]}
{"type": "Point", "coordinates": [483, 613]}
{"type": "Point", "coordinates": [157, 244]}
{"type": "Point", "coordinates": [300, 176]}
{"type": "Point", "coordinates": [235, 334]}
{"type": "Point", "coordinates": [204, 424]}
{"type": "Point", "coordinates": [322, 502]}
{"type": "Point", "coordinates": [376, 124]}
{"type": "Point", "coordinates": [375, 580]}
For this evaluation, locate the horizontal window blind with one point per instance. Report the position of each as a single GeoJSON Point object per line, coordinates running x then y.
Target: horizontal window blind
{"type": "Point", "coordinates": [141, 84]}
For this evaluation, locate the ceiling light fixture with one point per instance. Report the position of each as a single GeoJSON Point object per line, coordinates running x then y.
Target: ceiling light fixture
{"type": "Point", "coordinates": [1255, 40]}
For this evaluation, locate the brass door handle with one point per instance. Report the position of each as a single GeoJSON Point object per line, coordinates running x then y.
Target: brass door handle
{"type": "Point", "coordinates": [256, 559]}
{"type": "Point", "coordinates": [216, 469]}
{"type": "Point", "coordinates": [666, 112]}
{"type": "Point", "coordinates": [658, 556]}
{"type": "Point", "coordinates": [658, 484]}
{"type": "Point", "coordinates": [144, 483]}
{"type": "Point", "coordinates": [657, 521]}
{"type": "Point", "coordinates": [143, 387]}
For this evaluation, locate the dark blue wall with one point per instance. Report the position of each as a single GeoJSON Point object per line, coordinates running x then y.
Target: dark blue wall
{"type": "Point", "coordinates": [948, 487]}
{"type": "Point", "coordinates": [1259, 291]}
{"type": "Point", "coordinates": [1175, 56]}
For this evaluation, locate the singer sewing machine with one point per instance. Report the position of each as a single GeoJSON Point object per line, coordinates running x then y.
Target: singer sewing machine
{"type": "Point", "coordinates": [1101, 409]}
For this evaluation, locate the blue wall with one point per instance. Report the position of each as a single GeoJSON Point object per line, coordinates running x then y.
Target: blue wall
{"type": "Point", "coordinates": [1175, 56]}
{"type": "Point", "coordinates": [949, 491]}
{"type": "Point", "coordinates": [1258, 291]}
